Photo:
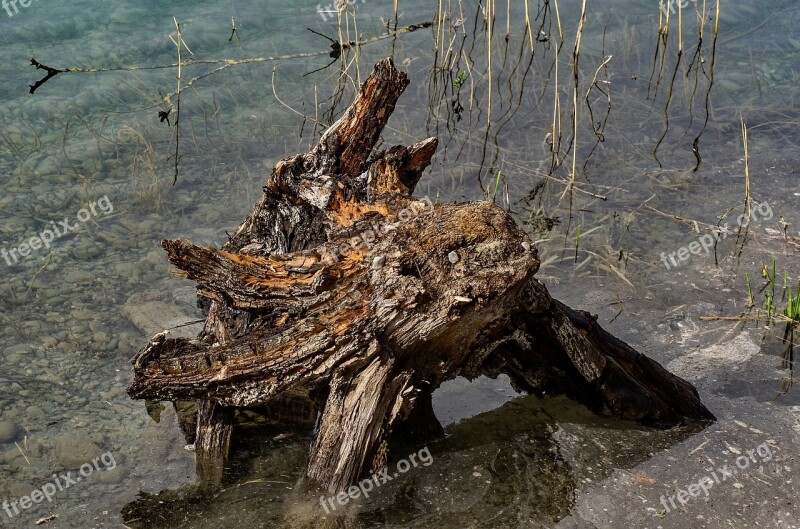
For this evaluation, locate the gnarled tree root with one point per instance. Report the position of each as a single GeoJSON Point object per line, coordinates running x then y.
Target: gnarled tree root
{"type": "Point", "coordinates": [341, 287]}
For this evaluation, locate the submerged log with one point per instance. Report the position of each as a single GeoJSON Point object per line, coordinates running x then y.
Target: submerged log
{"type": "Point", "coordinates": [342, 289]}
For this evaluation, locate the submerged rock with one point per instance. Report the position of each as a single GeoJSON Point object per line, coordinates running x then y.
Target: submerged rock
{"type": "Point", "coordinates": [8, 431]}
{"type": "Point", "coordinates": [74, 449]}
{"type": "Point", "coordinates": [155, 311]}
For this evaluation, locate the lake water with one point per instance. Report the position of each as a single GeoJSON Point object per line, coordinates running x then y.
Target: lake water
{"type": "Point", "coordinates": [87, 158]}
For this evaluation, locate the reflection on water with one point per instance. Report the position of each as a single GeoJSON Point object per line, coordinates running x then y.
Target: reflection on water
{"type": "Point", "coordinates": [495, 83]}
{"type": "Point", "coordinates": [520, 463]}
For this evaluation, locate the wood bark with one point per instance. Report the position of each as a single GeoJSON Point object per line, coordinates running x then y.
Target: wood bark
{"type": "Point", "coordinates": [341, 288]}
{"type": "Point", "coordinates": [213, 439]}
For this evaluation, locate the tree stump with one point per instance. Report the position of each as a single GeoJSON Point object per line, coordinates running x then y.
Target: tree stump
{"type": "Point", "coordinates": [343, 290]}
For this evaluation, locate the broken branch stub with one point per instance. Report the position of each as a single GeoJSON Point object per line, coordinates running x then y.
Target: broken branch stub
{"type": "Point", "coordinates": [342, 288]}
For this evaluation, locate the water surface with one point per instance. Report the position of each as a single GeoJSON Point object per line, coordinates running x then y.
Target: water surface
{"type": "Point", "coordinates": [670, 167]}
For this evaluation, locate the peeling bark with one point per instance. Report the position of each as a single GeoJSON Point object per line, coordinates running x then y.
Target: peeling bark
{"type": "Point", "coordinates": [343, 290]}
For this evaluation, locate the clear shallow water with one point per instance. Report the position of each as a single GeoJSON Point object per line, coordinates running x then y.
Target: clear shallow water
{"type": "Point", "coordinates": [73, 315]}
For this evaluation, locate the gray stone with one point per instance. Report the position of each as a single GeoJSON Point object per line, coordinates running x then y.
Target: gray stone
{"type": "Point", "coordinates": [74, 449]}
{"type": "Point", "coordinates": [8, 431]}
{"type": "Point", "coordinates": [79, 276]}
{"type": "Point", "coordinates": [18, 349]}
{"type": "Point", "coordinates": [155, 311]}
{"type": "Point", "coordinates": [110, 476]}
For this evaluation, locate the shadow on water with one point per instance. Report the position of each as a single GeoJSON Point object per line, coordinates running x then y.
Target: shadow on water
{"type": "Point", "coordinates": [519, 462]}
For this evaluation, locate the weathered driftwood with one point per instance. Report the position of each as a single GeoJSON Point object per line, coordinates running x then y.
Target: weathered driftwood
{"type": "Point", "coordinates": [342, 289]}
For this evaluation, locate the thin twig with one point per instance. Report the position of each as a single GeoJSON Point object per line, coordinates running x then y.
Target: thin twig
{"type": "Point", "coordinates": [23, 453]}
{"type": "Point", "coordinates": [179, 45]}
